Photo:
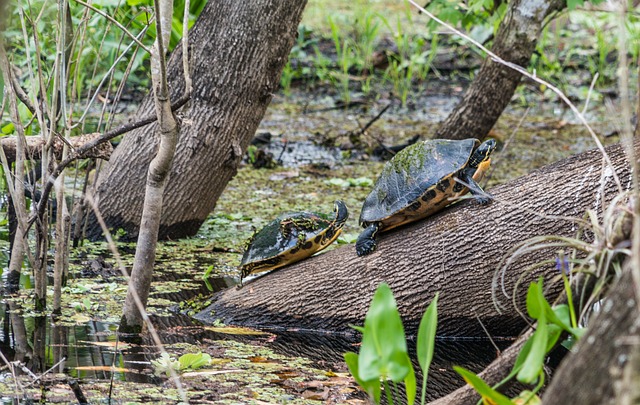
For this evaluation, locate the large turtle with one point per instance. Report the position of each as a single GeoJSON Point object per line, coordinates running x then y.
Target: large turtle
{"type": "Point", "coordinates": [290, 238]}
{"type": "Point", "coordinates": [421, 180]}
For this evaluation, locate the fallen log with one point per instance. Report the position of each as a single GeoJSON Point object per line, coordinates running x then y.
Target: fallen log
{"type": "Point", "coordinates": [35, 144]}
{"type": "Point", "coordinates": [455, 253]}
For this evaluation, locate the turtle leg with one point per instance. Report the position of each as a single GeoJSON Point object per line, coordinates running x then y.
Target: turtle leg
{"type": "Point", "coordinates": [481, 196]}
{"type": "Point", "coordinates": [366, 242]}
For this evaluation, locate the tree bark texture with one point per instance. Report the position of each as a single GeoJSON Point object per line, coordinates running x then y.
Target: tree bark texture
{"type": "Point", "coordinates": [605, 367]}
{"type": "Point", "coordinates": [494, 85]}
{"type": "Point", "coordinates": [455, 252]}
{"type": "Point", "coordinates": [238, 52]}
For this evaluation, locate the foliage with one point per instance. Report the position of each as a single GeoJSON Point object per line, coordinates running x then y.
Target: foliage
{"type": "Point", "coordinates": [528, 367]}
{"type": "Point", "coordinates": [97, 46]}
{"type": "Point", "coordinates": [165, 364]}
{"type": "Point", "coordinates": [383, 353]}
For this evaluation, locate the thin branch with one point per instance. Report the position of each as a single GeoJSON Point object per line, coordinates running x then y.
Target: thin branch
{"type": "Point", "coordinates": [88, 146]}
{"type": "Point", "coordinates": [116, 23]}
{"type": "Point", "coordinates": [106, 75]}
{"type": "Point", "coordinates": [22, 95]}
{"type": "Point", "coordinates": [185, 47]}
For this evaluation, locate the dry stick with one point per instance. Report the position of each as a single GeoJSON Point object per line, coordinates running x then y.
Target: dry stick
{"type": "Point", "coordinates": [593, 83]}
{"type": "Point", "coordinates": [533, 77]}
{"type": "Point", "coordinates": [90, 145]}
{"type": "Point", "coordinates": [371, 121]}
{"type": "Point", "coordinates": [20, 245]}
{"type": "Point", "coordinates": [106, 75]}
{"type": "Point", "coordinates": [185, 47]}
{"type": "Point", "coordinates": [116, 23]}
{"type": "Point", "coordinates": [13, 371]}
{"type": "Point", "coordinates": [22, 95]}
{"type": "Point", "coordinates": [145, 316]}
{"type": "Point", "coordinates": [77, 391]}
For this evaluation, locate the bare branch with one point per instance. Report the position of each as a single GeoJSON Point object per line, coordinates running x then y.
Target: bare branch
{"type": "Point", "coordinates": [116, 23]}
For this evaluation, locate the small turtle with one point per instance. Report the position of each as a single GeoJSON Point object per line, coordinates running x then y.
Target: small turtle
{"type": "Point", "coordinates": [290, 238]}
{"type": "Point", "coordinates": [421, 180]}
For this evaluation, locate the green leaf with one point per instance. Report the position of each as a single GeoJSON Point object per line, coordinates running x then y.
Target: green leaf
{"type": "Point", "coordinates": [194, 361]}
{"type": "Point", "coordinates": [534, 307]}
{"type": "Point", "coordinates": [426, 340]}
{"type": "Point", "coordinates": [488, 394]}
{"type": "Point", "coordinates": [537, 305]}
{"type": "Point", "coordinates": [410, 386]}
{"type": "Point", "coordinates": [383, 353]}
{"type": "Point", "coordinates": [572, 4]}
{"type": "Point", "coordinates": [371, 387]}
{"type": "Point", "coordinates": [532, 365]}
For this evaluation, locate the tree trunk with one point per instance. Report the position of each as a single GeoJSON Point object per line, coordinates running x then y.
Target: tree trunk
{"type": "Point", "coordinates": [605, 367]}
{"type": "Point", "coordinates": [238, 51]}
{"type": "Point", "coordinates": [167, 131]}
{"type": "Point", "coordinates": [494, 85]}
{"type": "Point", "coordinates": [455, 252]}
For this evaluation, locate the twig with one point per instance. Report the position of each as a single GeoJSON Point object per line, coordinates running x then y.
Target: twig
{"type": "Point", "coordinates": [46, 190]}
{"type": "Point", "coordinates": [371, 122]}
{"type": "Point", "coordinates": [116, 23]}
{"type": "Point", "coordinates": [77, 391]}
{"type": "Point", "coordinates": [22, 95]}
{"type": "Point", "coordinates": [145, 316]}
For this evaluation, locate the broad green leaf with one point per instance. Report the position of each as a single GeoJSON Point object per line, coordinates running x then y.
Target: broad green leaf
{"type": "Point", "coordinates": [537, 305]}
{"type": "Point", "coordinates": [532, 365]}
{"type": "Point", "coordinates": [534, 307]}
{"type": "Point", "coordinates": [371, 387]}
{"type": "Point", "coordinates": [426, 340]}
{"type": "Point", "coordinates": [572, 4]}
{"type": "Point", "coordinates": [194, 361]}
{"type": "Point", "coordinates": [563, 313]}
{"type": "Point", "coordinates": [488, 394]}
{"type": "Point", "coordinates": [383, 353]}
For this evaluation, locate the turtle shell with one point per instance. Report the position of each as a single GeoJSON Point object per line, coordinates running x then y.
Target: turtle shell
{"type": "Point", "coordinates": [417, 182]}
{"type": "Point", "coordinates": [289, 238]}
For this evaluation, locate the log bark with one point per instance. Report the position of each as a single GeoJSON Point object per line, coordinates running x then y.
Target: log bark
{"type": "Point", "coordinates": [238, 50]}
{"type": "Point", "coordinates": [455, 252]}
{"type": "Point", "coordinates": [605, 367]}
{"type": "Point", "coordinates": [495, 84]}
{"type": "Point", "coordinates": [35, 144]}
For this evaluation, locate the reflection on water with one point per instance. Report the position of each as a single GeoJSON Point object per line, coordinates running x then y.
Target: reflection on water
{"type": "Point", "coordinates": [93, 351]}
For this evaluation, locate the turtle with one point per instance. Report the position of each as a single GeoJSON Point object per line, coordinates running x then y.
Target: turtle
{"type": "Point", "coordinates": [420, 180]}
{"type": "Point", "coordinates": [291, 237]}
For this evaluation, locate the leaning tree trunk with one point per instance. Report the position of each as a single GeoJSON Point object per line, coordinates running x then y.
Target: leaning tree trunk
{"type": "Point", "coordinates": [455, 253]}
{"type": "Point", "coordinates": [491, 91]}
{"type": "Point", "coordinates": [238, 51]}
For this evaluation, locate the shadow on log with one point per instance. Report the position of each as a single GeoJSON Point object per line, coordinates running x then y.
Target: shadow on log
{"type": "Point", "coordinates": [455, 252]}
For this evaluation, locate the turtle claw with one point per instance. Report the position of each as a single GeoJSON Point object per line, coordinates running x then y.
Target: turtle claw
{"type": "Point", "coordinates": [366, 242]}
{"type": "Point", "coordinates": [484, 200]}
{"type": "Point", "coordinates": [365, 247]}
